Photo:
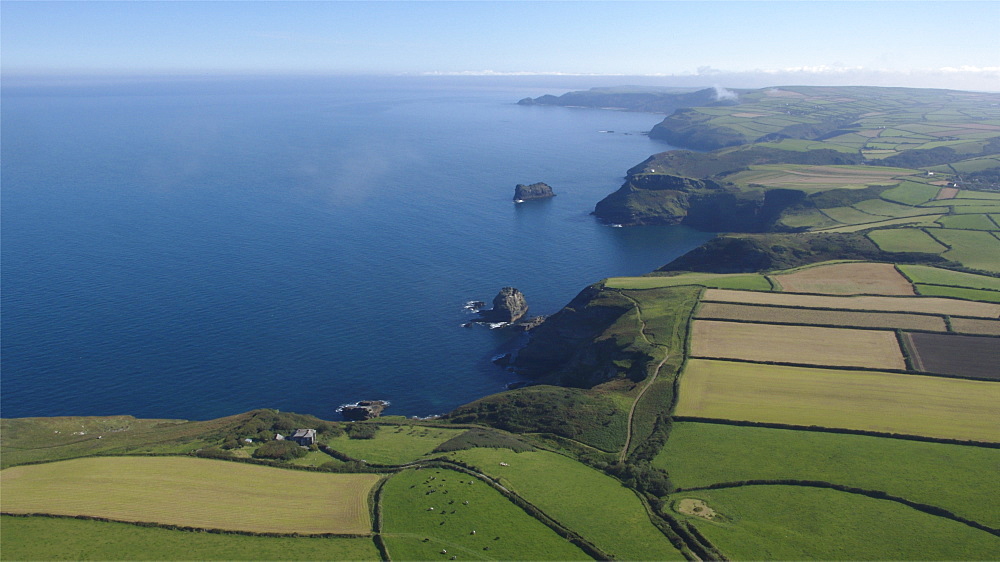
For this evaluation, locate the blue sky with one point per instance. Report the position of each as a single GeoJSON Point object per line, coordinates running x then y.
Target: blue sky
{"type": "Point", "coordinates": [945, 44]}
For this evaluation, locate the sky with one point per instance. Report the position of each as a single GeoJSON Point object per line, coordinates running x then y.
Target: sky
{"type": "Point", "coordinates": [950, 44]}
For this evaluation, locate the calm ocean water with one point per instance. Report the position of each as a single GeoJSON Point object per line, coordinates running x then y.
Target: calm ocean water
{"type": "Point", "coordinates": [194, 249]}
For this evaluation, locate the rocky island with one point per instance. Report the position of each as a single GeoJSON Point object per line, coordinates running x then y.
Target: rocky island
{"type": "Point", "coordinates": [534, 191]}
{"type": "Point", "coordinates": [509, 306]}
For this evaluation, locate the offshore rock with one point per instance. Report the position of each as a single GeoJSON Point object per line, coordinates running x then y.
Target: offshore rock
{"type": "Point", "coordinates": [508, 306]}
{"type": "Point", "coordinates": [534, 191]}
{"type": "Point", "coordinates": [363, 410]}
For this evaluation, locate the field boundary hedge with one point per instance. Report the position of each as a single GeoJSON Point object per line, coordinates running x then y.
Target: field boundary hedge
{"type": "Point", "coordinates": [821, 429]}
{"type": "Point", "coordinates": [874, 494]}
{"type": "Point", "coordinates": [190, 529]}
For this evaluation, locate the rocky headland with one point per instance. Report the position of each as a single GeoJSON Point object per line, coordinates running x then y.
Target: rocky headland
{"type": "Point", "coordinates": [534, 191]}
{"type": "Point", "coordinates": [363, 410]}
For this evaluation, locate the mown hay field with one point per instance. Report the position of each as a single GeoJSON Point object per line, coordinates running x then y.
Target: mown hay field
{"type": "Point", "coordinates": [864, 400]}
{"type": "Point", "coordinates": [430, 510]}
{"type": "Point", "coordinates": [822, 177]}
{"type": "Point", "coordinates": [745, 281]}
{"type": "Point", "coordinates": [585, 500]}
{"type": "Point", "coordinates": [949, 354]}
{"type": "Point", "coordinates": [809, 345]}
{"type": "Point", "coordinates": [959, 478]}
{"type": "Point", "coordinates": [938, 276]}
{"type": "Point", "coordinates": [193, 492]}
{"type": "Point", "coordinates": [846, 318]}
{"type": "Point", "coordinates": [906, 240]}
{"type": "Point", "coordinates": [976, 326]}
{"type": "Point", "coordinates": [800, 523]}
{"type": "Point", "coordinates": [394, 444]}
{"type": "Point", "coordinates": [76, 539]}
{"type": "Point", "coordinates": [847, 279]}
{"type": "Point", "coordinates": [925, 305]}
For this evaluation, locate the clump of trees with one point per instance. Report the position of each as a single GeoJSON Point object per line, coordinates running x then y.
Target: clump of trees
{"type": "Point", "coordinates": [279, 450]}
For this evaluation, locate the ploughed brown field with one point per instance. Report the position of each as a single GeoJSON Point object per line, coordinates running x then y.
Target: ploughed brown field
{"type": "Point", "coordinates": [976, 326]}
{"type": "Point", "coordinates": [947, 354]}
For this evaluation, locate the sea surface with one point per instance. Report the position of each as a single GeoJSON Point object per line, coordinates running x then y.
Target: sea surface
{"type": "Point", "coordinates": [202, 247]}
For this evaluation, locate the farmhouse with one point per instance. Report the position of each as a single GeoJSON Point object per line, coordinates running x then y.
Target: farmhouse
{"type": "Point", "coordinates": [304, 437]}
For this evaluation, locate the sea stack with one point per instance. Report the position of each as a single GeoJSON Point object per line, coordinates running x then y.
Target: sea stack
{"type": "Point", "coordinates": [363, 410]}
{"type": "Point", "coordinates": [508, 306]}
{"type": "Point", "coordinates": [534, 191]}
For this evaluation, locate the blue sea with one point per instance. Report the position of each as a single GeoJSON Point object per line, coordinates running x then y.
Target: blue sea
{"type": "Point", "coordinates": [194, 248]}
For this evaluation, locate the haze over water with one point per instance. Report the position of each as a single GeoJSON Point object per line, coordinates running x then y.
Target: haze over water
{"type": "Point", "coordinates": [198, 249]}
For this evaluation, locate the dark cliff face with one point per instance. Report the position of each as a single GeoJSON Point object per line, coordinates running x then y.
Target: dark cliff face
{"type": "Point", "coordinates": [702, 204]}
{"type": "Point", "coordinates": [508, 306]}
{"type": "Point", "coordinates": [534, 191]}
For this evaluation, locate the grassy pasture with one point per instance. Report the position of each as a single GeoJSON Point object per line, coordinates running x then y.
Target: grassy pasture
{"type": "Point", "coordinates": [976, 326]}
{"type": "Point", "coordinates": [75, 539]}
{"type": "Point", "coordinates": [394, 444]}
{"type": "Point", "coordinates": [971, 248]}
{"type": "Point", "coordinates": [846, 318]}
{"type": "Point", "coordinates": [910, 193]}
{"type": "Point", "coordinates": [810, 345]}
{"type": "Point", "coordinates": [958, 478]}
{"type": "Point", "coordinates": [864, 400]}
{"type": "Point", "coordinates": [192, 492]}
{"type": "Point", "coordinates": [798, 523]}
{"type": "Point", "coordinates": [922, 220]}
{"type": "Point", "coordinates": [745, 281]}
{"type": "Point", "coordinates": [966, 194]}
{"type": "Point", "coordinates": [967, 222]}
{"type": "Point", "coordinates": [462, 504]}
{"type": "Point", "coordinates": [938, 276]}
{"type": "Point", "coordinates": [991, 208]}
{"type": "Point", "coordinates": [589, 502]}
{"type": "Point", "coordinates": [926, 305]}
{"type": "Point", "coordinates": [846, 279]}
{"type": "Point", "coordinates": [906, 240]}
{"type": "Point", "coordinates": [981, 295]}
{"type": "Point", "coordinates": [850, 215]}
{"type": "Point", "coordinates": [964, 356]}
{"type": "Point", "coordinates": [885, 208]}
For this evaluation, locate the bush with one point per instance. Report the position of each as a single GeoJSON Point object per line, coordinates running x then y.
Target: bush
{"type": "Point", "coordinates": [280, 450]}
{"type": "Point", "coordinates": [361, 431]}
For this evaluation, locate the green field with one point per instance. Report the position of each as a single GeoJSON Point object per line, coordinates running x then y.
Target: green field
{"type": "Point", "coordinates": [799, 523]}
{"type": "Point", "coordinates": [76, 539]}
{"type": "Point", "coordinates": [586, 501]}
{"type": "Point", "coordinates": [971, 248]}
{"type": "Point", "coordinates": [980, 295]}
{"type": "Point", "coordinates": [967, 222]}
{"type": "Point", "coordinates": [906, 240]}
{"type": "Point", "coordinates": [749, 282]}
{"type": "Point", "coordinates": [936, 276]}
{"type": "Point", "coordinates": [865, 400]}
{"type": "Point", "coordinates": [192, 492]}
{"type": "Point", "coordinates": [911, 193]}
{"type": "Point", "coordinates": [394, 444]}
{"type": "Point", "coordinates": [958, 478]}
{"type": "Point", "coordinates": [462, 505]}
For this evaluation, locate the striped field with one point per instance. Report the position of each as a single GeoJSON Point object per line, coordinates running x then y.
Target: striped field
{"type": "Point", "coordinates": [926, 305]}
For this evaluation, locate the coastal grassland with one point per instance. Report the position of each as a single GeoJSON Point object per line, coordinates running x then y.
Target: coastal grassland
{"type": "Point", "coordinates": [586, 501]}
{"type": "Point", "coordinates": [976, 326]}
{"type": "Point", "coordinates": [430, 510]}
{"type": "Point", "coordinates": [937, 276]}
{"type": "Point", "coordinates": [968, 222]}
{"type": "Point", "coordinates": [972, 248]}
{"type": "Point", "coordinates": [801, 523]}
{"type": "Point", "coordinates": [593, 417]}
{"type": "Point", "coordinates": [982, 295]}
{"type": "Point", "coordinates": [906, 240]}
{"type": "Point", "coordinates": [950, 354]}
{"type": "Point", "coordinates": [193, 492]}
{"type": "Point", "coordinates": [803, 316]}
{"type": "Point", "coordinates": [959, 478]}
{"type": "Point", "coordinates": [77, 539]}
{"type": "Point", "coordinates": [810, 345]}
{"type": "Point", "coordinates": [743, 281]}
{"type": "Point", "coordinates": [865, 400]}
{"type": "Point", "coordinates": [911, 193]}
{"type": "Point", "coordinates": [850, 278]}
{"type": "Point", "coordinates": [925, 305]}
{"type": "Point", "coordinates": [394, 444]}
